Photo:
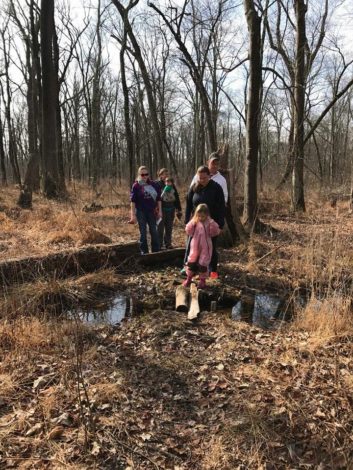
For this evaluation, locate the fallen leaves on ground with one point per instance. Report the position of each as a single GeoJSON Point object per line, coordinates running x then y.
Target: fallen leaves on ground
{"type": "Point", "coordinates": [162, 392]}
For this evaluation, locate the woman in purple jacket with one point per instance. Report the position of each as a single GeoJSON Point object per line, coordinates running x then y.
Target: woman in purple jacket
{"type": "Point", "coordinates": [145, 200]}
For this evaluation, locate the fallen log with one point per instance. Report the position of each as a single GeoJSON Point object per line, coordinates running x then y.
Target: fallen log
{"type": "Point", "coordinates": [161, 256]}
{"type": "Point", "coordinates": [66, 263]}
{"type": "Point", "coordinates": [194, 309]}
{"type": "Point", "coordinates": [181, 299]}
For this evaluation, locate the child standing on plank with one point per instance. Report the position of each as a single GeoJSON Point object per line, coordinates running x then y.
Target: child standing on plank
{"type": "Point", "coordinates": [201, 228]}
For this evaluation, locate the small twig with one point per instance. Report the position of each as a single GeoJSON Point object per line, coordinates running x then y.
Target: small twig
{"type": "Point", "coordinates": [134, 451]}
{"type": "Point", "coordinates": [78, 345]}
{"type": "Point", "coordinates": [269, 253]}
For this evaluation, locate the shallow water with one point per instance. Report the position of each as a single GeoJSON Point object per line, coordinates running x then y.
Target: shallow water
{"type": "Point", "coordinates": [109, 313]}
{"type": "Point", "coordinates": [259, 309]}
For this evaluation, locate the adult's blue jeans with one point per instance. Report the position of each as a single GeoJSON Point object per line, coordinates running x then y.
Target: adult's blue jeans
{"type": "Point", "coordinates": [145, 218]}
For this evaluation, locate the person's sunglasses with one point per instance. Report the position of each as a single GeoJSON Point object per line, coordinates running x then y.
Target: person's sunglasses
{"type": "Point", "coordinates": [144, 174]}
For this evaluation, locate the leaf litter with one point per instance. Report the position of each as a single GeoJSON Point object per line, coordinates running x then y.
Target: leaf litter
{"type": "Point", "coordinates": [162, 395]}
{"type": "Point", "coordinates": [161, 392]}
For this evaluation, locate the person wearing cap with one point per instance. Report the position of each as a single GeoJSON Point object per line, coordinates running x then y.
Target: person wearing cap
{"type": "Point", "coordinates": [209, 192]}
{"type": "Point", "coordinates": [213, 166]}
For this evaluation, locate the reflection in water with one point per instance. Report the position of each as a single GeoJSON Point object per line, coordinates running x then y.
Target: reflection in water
{"type": "Point", "coordinates": [110, 313]}
{"type": "Point", "coordinates": [259, 309]}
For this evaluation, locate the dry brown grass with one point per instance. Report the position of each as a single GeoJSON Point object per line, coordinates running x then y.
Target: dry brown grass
{"type": "Point", "coordinates": [106, 393]}
{"type": "Point", "coordinates": [58, 225]}
{"type": "Point", "coordinates": [269, 392]}
{"type": "Point", "coordinates": [51, 401]}
{"type": "Point", "coordinates": [56, 295]}
{"type": "Point", "coordinates": [26, 335]}
{"type": "Point", "coordinates": [325, 263]}
{"type": "Point", "coordinates": [325, 320]}
{"type": "Point", "coordinates": [216, 456]}
{"type": "Point", "coordinates": [7, 384]}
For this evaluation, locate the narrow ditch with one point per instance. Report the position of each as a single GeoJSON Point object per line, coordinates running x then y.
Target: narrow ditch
{"type": "Point", "coordinates": [263, 309]}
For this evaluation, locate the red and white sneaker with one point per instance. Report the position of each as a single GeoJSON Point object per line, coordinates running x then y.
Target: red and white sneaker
{"type": "Point", "coordinates": [213, 275]}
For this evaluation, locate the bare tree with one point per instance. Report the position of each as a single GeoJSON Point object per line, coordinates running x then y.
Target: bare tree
{"type": "Point", "coordinates": [2, 154]}
{"type": "Point", "coordinates": [49, 160]}
{"type": "Point", "coordinates": [137, 53]}
{"type": "Point", "coordinates": [299, 111]}
{"type": "Point", "coordinates": [6, 94]}
{"type": "Point", "coordinates": [174, 25]}
{"type": "Point", "coordinates": [253, 114]}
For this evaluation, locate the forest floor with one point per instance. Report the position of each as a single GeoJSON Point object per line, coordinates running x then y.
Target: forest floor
{"type": "Point", "coordinates": [158, 391]}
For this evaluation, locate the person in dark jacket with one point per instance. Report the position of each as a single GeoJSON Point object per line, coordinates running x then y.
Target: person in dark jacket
{"type": "Point", "coordinates": [145, 200]}
{"type": "Point", "coordinates": [206, 191]}
{"type": "Point", "coordinates": [170, 206]}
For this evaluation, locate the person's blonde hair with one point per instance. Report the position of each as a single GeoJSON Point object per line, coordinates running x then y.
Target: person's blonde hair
{"type": "Point", "coordinates": [162, 170]}
{"type": "Point", "coordinates": [201, 209]}
{"type": "Point", "coordinates": [141, 168]}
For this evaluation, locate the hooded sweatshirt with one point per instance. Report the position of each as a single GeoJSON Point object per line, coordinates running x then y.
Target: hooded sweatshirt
{"type": "Point", "coordinates": [201, 242]}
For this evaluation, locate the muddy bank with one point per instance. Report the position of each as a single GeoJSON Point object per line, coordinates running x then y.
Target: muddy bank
{"type": "Point", "coordinates": [80, 261]}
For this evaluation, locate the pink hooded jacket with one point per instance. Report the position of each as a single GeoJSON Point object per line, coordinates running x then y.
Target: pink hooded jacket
{"type": "Point", "coordinates": [201, 243]}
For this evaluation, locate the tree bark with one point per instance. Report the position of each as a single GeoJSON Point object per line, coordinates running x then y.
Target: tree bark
{"type": "Point", "coordinates": [59, 136]}
{"type": "Point", "coordinates": [32, 177]}
{"type": "Point", "coordinates": [128, 130]}
{"type": "Point", "coordinates": [49, 160]}
{"type": "Point", "coordinates": [252, 115]}
{"type": "Point", "coordinates": [298, 199]}
{"type": "Point", "coordinates": [12, 152]}
{"type": "Point", "coordinates": [96, 138]}
{"type": "Point", "coordinates": [2, 155]}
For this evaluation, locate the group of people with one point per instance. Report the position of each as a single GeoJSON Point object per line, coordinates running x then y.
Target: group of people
{"type": "Point", "coordinates": [154, 204]}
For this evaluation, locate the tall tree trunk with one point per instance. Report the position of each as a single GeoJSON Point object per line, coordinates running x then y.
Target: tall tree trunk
{"type": "Point", "coordinates": [299, 96]}
{"type": "Point", "coordinates": [252, 115]}
{"type": "Point", "coordinates": [96, 138]}
{"type": "Point", "coordinates": [76, 168]}
{"type": "Point", "coordinates": [333, 146]}
{"type": "Point", "coordinates": [32, 178]}
{"type": "Point", "coordinates": [128, 129]}
{"type": "Point", "coordinates": [8, 117]}
{"type": "Point", "coordinates": [59, 136]}
{"type": "Point", "coordinates": [114, 119]}
{"type": "Point", "coordinates": [49, 160]}
{"type": "Point", "coordinates": [290, 151]}
{"type": "Point", "coordinates": [2, 155]}
{"type": "Point", "coordinates": [195, 135]}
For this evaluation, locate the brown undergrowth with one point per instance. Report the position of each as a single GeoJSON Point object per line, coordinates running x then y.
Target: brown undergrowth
{"type": "Point", "coordinates": [57, 225]}
{"type": "Point", "coordinates": [161, 392]}
{"type": "Point", "coordinates": [53, 296]}
{"type": "Point", "coordinates": [165, 393]}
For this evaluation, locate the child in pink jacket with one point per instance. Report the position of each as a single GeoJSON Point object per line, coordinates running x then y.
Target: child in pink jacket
{"type": "Point", "coordinates": [201, 228]}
